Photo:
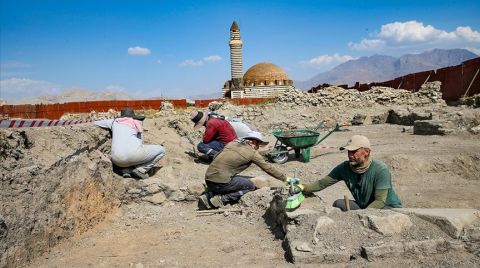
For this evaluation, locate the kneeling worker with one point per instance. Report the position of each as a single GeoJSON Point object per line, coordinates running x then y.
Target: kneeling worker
{"type": "Point", "coordinates": [222, 177]}
{"type": "Point", "coordinates": [369, 180]}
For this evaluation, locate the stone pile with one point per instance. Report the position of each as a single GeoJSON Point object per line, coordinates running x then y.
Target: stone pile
{"type": "Point", "coordinates": [313, 236]}
{"type": "Point", "coordinates": [337, 96]}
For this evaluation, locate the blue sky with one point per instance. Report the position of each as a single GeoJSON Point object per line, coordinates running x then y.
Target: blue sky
{"type": "Point", "coordinates": [180, 48]}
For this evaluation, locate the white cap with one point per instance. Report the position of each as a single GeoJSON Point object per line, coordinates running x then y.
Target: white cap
{"type": "Point", "coordinates": [357, 142]}
{"type": "Point", "coordinates": [255, 135]}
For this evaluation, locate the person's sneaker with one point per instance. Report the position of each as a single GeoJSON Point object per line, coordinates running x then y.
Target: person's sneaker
{"type": "Point", "coordinates": [203, 202]}
{"type": "Point", "coordinates": [217, 202]}
{"type": "Point", "coordinates": [142, 174]}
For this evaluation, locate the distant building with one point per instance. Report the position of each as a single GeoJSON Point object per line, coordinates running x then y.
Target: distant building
{"type": "Point", "coordinates": [263, 80]}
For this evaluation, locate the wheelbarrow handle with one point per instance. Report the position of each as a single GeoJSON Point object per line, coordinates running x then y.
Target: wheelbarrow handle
{"type": "Point", "coordinates": [319, 125]}
{"type": "Point", "coordinates": [337, 126]}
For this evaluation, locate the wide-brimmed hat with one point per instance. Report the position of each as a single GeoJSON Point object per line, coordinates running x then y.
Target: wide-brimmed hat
{"type": "Point", "coordinates": [130, 113]}
{"type": "Point", "coordinates": [356, 142]}
{"type": "Point", "coordinates": [199, 119]}
{"type": "Point", "coordinates": [255, 135]}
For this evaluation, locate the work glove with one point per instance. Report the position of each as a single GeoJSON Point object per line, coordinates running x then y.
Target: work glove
{"type": "Point", "coordinates": [292, 180]}
{"type": "Point", "coordinates": [299, 188]}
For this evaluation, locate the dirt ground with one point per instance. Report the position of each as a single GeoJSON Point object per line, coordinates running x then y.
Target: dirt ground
{"type": "Point", "coordinates": [428, 172]}
{"type": "Point", "coordinates": [68, 203]}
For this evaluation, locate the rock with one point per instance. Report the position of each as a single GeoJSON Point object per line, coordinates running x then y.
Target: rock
{"type": "Point", "coordinates": [177, 196]}
{"type": "Point", "coordinates": [450, 220]}
{"type": "Point", "coordinates": [260, 198]}
{"type": "Point", "coordinates": [153, 188]}
{"type": "Point", "coordinates": [432, 127]}
{"type": "Point", "coordinates": [471, 233]}
{"type": "Point", "coordinates": [475, 130]}
{"type": "Point", "coordinates": [3, 228]}
{"type": "Point", "coordinates": [196, 188]}
{"type": "Point", "coordinates": [388, 224]}
{"type": "Point", "coordinates": [156, 199]}
{"type": "Point", "coordinates": [134, 190]}
{"type": "Point", "coordinates": [303, 246]}
{"type": "Point", "coordinates": [322, 223]}
{"type": "Point", "coordinates": [358, 119]}
{"type": "Point", "coordinates": [411, 248]}
{"type": "Point", "coordinates": [406, 118]}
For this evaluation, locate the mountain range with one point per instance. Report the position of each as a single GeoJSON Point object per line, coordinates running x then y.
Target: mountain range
{"type": "Point", "coordinates": [379, 68]}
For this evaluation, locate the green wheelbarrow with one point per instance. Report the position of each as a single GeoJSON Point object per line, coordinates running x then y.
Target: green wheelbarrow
{"type": "Point", "coordinates": [298, 140]}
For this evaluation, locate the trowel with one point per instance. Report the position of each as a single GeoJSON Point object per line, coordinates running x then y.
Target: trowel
{"type": "Point", "coordinates": [294, 199]}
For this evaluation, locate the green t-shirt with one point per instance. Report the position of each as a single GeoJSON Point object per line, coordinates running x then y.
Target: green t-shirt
{"type": "Point", "coordinates": [362, 186]}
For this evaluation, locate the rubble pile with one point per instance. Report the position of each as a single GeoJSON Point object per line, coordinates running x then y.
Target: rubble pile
{"type": "Point", "coordinates": [313, 236]}
{"type": "Point", "coordinates": [336, 96]}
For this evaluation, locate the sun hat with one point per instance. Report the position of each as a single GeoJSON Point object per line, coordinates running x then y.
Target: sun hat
{"type": "Point", "coordinates": [199, 119]}
{"type": "Point", "coordinates": [356, 142]}
{"type": "Point", "coordinates": [128, 112]}
{"type": "Point", "coordinates": [255, 135]}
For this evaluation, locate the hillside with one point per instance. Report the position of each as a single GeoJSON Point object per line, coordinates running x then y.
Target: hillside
{"type": "Point", "coordinates": [378, 68]}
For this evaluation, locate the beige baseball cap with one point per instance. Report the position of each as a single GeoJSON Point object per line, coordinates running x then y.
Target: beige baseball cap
{"type": "Point", "coordinates": [356, 142]}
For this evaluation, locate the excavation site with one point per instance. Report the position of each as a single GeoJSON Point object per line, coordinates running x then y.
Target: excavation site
{"type": "Point", "coordinates": [63, 205]}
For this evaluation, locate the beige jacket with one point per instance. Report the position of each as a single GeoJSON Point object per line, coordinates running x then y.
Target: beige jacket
{"type": "Point", "coordinates": [235, 158]}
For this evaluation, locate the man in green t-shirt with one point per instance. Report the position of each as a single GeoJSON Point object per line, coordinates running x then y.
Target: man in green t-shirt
{"type": "Point", "coordinates": [369, 180]}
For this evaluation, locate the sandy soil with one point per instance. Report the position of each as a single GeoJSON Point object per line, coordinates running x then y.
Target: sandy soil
{"type": "Point", "coordinates": [428, 171]}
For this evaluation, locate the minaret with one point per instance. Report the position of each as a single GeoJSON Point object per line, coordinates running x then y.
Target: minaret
{"type": "Point", "coordinates": [236, 56]}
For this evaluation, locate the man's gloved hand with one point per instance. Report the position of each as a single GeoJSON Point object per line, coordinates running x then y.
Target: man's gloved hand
{"type": "Point", "coordinates": [293, 180]}
{"type": "Point", "coordinates": [299, 188]}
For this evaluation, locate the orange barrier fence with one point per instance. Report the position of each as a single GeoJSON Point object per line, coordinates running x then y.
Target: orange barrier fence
{"type": "Point", "coordinates": [457, 81]}
{"type": "Point", "coordinates": [55, 111]}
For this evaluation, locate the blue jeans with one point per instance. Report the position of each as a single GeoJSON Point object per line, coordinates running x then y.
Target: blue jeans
{"type": "Point", "coordinates": [233, 190]}
{"type": "Point", "coordinates": [211, 149]}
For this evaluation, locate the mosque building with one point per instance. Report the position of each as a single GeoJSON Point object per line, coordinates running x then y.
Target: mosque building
{"type": "Point", "coordinates": [262, 80]}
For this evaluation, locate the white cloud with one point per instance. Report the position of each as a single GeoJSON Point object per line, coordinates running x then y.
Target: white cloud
{"type": "Point", "coordinates": [413, 33]}
{"type": "Point", "coordinates": [324, 61]}
{"type": "Point", "coordinates": [138, 51]}
{"type": "Point", "coordinates": [14, 64]}
{"type": "Point", "coordinates": [16, 88]}
{"type": "Point", "coordinates": [191, 63]}
{"type": "Point", "coordinates": [367, 44]}
{"type": "Point", "coordinates": [212, 58]}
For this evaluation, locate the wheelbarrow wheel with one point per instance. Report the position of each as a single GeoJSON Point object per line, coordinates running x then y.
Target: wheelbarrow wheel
{"type": "Point", "coordinates": [280, 155]}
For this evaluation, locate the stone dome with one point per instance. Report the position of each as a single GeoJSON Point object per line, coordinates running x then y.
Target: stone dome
{"type": "Point", "coordinates": [265, 71]}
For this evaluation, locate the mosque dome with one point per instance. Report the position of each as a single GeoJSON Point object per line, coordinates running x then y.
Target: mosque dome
{"type": "Point", "coordinates": [264, 71]}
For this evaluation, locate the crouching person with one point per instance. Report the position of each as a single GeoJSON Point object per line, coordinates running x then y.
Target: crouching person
{"type": "Point", "coordinates": [224, 184]}
{"type": "Point", "coordinates": [128, 151]}
{"type": "Point", "coordinates": [218, 132]}
{"type": "Point", "coordinates": [369, 180]}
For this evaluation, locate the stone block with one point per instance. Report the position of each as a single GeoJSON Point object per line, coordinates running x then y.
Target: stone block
{"type": "Point", "coordinates": [471, 233]}
{"type": "Point", "coordinates": [393, 249]}
{"type": "Point", "coordinates": [432, 127]}
{"type": "Point", "coordinates": [156, 199]}
{"type": "Point", "coordinates": [450, 220]}
{"type": "Point", "coordinates": [322, 223]}
{"type": "Point", "coordinates": [195, 188]}
{"type": "Point", "coordinates": [388, 224]}
{"type": "Point", "coordinates": [152, 188]}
